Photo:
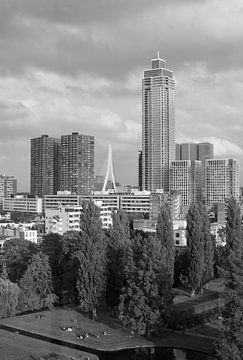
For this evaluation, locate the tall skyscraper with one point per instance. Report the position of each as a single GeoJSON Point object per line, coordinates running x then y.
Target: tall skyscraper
{"type": "Point", "coordinates": [140, 170]}
{"type": "Point", "coordinates": [222, 180]}
{"type": "Point", "coordinates": [77, 163]}
{"type": "Point", "coordinates": [44, 166]}
{"type": "Point", "coordinates": [158, 125]}
{"type": "Point", "coordinates": [186, 177]}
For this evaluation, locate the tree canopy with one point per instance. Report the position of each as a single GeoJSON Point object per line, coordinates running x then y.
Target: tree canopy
{"type": "Point", "coordinates": [232, 296]}
{"type": "Point", "coordinates": [142, 301]}
{"type": "Point", "coordinates": [18, 253]}
{"type": "Point", "coordinates": [36, 285]}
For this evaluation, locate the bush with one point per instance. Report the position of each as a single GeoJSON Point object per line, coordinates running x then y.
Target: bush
{"type": "Point", "coordinates": [9, 293]}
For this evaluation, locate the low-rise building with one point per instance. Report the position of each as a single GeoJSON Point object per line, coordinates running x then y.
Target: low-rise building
{"type": "Point", "coordinates": [23, 203]}
{"type": "Point", "coordinates": [63, 219]}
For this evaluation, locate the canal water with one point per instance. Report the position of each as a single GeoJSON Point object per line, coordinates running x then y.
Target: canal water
{"type": "Point", "coordinates": [155, 354]}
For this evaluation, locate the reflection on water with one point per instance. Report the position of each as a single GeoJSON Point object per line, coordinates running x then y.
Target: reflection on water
{"type": "Point", "coordinates": [154, 354]}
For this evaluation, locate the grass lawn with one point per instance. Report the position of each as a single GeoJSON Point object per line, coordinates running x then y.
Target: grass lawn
{"type": "Point", "coordinates": [15, 346]}
{"type": "Point", "coordinates": [107, 335]}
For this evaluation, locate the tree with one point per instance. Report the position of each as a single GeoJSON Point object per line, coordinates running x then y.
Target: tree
{"type": "Point", "coordinates": [36, 291]}
{"type": "Point", "coordinates": [90, 260]}
{"type": "Point", "coordinates": [9, 293]}
{"type": "Point", "coordinates": [53, 246]}
{"type": "Point", "coordinates": [195, 247]}
{"type": "Point", "coordinates": [232, 274]}
{"type": "Point", "coordinates": [142, 301]}
{"type": "Point", "coordinates": [208, 248]}
{"type": "Point", "coordinates": [165, 235]}
{"type": "Point", "coordinates": [117, 247]}
{"type": "Point", "coordinates": [18, 253]}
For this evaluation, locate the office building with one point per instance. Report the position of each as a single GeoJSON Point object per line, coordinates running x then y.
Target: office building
{"type": "Point", "coordinates": [8, 187]}
{"type": "Point", "coordinates": [44, 165]}
{"type": "Point", "coordinates": [194, 151]}
{"type": "Point", "coordinates": [205, 151]}
{"type": "Point", "coordinates": [23, 203]}
{"type": "Point", "coordinates": [77, 163]}
{"type": "Point", "coordinates": [186, 177]}
{"type": "Point", "coordinates": [158, 125]}
{"type": "Point", "coordinates": [221, 180]}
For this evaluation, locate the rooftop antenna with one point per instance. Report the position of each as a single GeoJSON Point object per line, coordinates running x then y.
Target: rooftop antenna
{"type": "Point", "coordinates": [109, 171]}
{"type": "Point", "coordinates": [157, 54]}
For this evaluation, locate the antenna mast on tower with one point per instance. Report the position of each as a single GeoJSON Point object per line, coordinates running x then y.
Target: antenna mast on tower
{"type": "Point", "coordinates": [109, 171]}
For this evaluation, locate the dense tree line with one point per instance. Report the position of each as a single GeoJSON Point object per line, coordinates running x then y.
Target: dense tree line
{"type": "Point", "coordinates": [130, 272]}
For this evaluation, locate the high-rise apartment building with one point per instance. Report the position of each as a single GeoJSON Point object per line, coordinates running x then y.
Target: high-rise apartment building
{"type": "Point", "coordinates": [77, 163]}
{"type": "Point", "coordinates": [8, 187]}
{"type": "Point", "coordinates": [44, 165]}
{"type": "Point", "coordinates": [221, 180]}
{"type": "Point", "coordinates": [158, 125]}
{"type": "Point", "coordinates": [194, 151]}
{"type": "Point", "coordinates": [186, 177]}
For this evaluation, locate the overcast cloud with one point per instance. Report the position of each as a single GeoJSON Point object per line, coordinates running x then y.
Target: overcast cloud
{"type": "Point", "coordinates": [76, 65]}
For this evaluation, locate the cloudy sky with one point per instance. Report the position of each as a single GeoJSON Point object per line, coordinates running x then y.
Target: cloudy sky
{"type": "Point", "coordinates": [76, 65]}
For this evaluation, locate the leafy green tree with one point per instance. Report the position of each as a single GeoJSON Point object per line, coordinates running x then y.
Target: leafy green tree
{"type": "Point", "coordinates": [9, 293]}
{"type": "Point", "coordinates": [165, 235]}
{"type": "Point", "coordinates": [91, 260]}
{"type": "Point", "coordinates": [18, 253]}
{"type": "Point", "coordinates": [208, 248]}
{"type": "Point", "coordinates": [181, 267]}
{"type": "Point", "coordinates": [232, 273]}
{"type": "Point", "coordinates": [53, 246]}
{"type": "Point", "coordinates": [36, 291]}
{"type": "Point", "coordinates": [195, 247]}
{"type": "Point", "coordinates": [117, 247]}
{"type": "Point", "coordinates": [142, 301]}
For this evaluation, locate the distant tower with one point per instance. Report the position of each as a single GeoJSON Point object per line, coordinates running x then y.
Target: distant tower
{"type": "Point", "coordinates": [158, 128]}
{"type": "Point", "coordinates": [44, 165]}
{"type": "Point", "coordinates": [109, 171]}
{"type": "Point", "coordinates": [77, 163]}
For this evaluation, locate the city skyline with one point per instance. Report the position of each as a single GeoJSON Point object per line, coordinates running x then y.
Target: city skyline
{"type": "Point", "coordinates": [77, 67]}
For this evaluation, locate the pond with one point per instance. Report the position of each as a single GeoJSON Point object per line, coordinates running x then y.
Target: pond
{"type": "Point", "coordinates": [155, 354]}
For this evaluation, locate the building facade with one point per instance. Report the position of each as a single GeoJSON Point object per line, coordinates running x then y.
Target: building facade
{"type": "Point", "coordinates": [23, 203]}
{"type": "Point", "coordinates": [158, 125]}
{"type": "Point", "coordinates": [8, 187]}
{"type": "Point", "coordinates": [186, 177]}
{"type": "Point", "coordinates": [221, 180]}
{"type": "Point", "coordinates": [63, 219]}
{"type": "Point", "coordinates": [77, 163]}
{"type": "Point", "coordinates": [44, 166]}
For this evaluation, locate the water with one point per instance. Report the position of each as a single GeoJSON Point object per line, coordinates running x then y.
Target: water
{"type": "Point", "coordinates": [155, 354]}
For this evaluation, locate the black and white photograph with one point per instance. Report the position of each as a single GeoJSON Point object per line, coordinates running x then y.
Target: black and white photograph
{"type": "Point", "coordinates": [121, 191]}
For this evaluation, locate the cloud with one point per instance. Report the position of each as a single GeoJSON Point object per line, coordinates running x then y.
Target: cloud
{"type": "Point", "coordinates": [77, 66]}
